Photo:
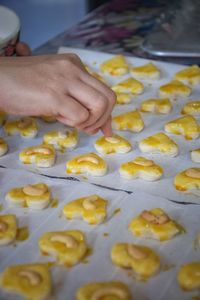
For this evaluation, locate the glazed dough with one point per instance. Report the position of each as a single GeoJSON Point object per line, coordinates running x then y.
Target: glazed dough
{"type": "Point", "coordinates": [174, 89]}
{"type": "Point", "coordinates": [31, 281]}
{"type": "Point", "coordinates": [61, 140]}
{"type": "Point", "coordinates": [189, 276]}
{"type": "Point", "coordinates": [123, 98]}
{"type": "Point", "coordinates": [25, 127]}
{"type": "Point", "coordinates": [35, 196]}
{"type": "Point", "coordinates": [188, 180]}
{"type": "Point", "coordinates": [147, 71]}
{"type": "Point", "coordinates": [113, 290]}
{"type": "Point", "coordinates": [159, 143]}
{"type": "Point", "coordinates": [143, 260]}
{"type": "Point", "coordinates": [131, 121]}
{"type": "Point", "coordinates": [189, 75]}
{"type": "Point", "coordinates": [186, 126]}
{"type": "Point", "coordinates": [155, 224]}
{"type": "Point", "coordinates": [3, 147]}
{"type": "Point", "coordinates": [42, 156]}
{"type": "Point", "coordinates": [3, 117]}
{"type": "Point", "coordinates": [115, 66]}
{"type": "Point", "coordinates": [157, 106]}
{"type": "Point", "coordinates": [195, 155]}
{"type": "Point", "coordinates": [114, 144]}
{"type": "Point", "coordinates": [142, 168]}
{"type": "Point", "coordinates": [191, 108]}
{"type": "Point", "coordinates": [129, 85]}
{"type": "Point", "coordinates": [89, 163]}
{"type": "Point", "coordinates": [91, 208]}
{"type": "Point", "coordinates": [8, 229]}
{"type": "Point", "coordinates": [68, 247]}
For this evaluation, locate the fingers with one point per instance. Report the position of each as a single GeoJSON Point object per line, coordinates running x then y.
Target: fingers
{"type": "Point", "coordinates": [22, 49]}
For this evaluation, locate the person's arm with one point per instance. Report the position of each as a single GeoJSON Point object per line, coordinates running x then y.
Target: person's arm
{"type": "Point", "coordinates": [56, 85]}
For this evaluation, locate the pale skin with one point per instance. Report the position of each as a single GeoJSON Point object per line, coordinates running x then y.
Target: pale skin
{"type": "Point", "coordinates": [58, 86]}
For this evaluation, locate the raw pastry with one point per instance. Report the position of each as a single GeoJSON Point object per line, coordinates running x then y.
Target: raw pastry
{"type": "Point", "coordinates": [35, 196]}
{"type": "Point", "coordinates": [129, 85]}
{"type": "Point", "coordinates": [159, 143]}
{"type": "Point", "coordinates": [143, 260]}
{"type": "Point", "coordinates": [186, 126]}
{"type": "Point", "coordinates": [191, 108]}
{"type": "Point", "coordinates": [195, 155]}
{"type": "Point", "coordinates": [142, 168]}
{"type": "Point", "coordinates": [26, 127]}
{"type": "Point", "coordinates": [147, 71]}
{"type": "Point", "coordinates": [114, 144]}
{"type": "Point", "coordinates": [115, 66]}
{"type": "Point", "coordinates": [112, 290]}
{"type": "Point", "coordinates": [48, 119]}
{"type": "Point", "coordinates": [3, 117]}
{"type": "Point", "coordinates": [68, 247]}
{"type": "Point", "coordinates": [189, 276]}
{"type": "Point", "coordinates": [8, 229]}
{"type": "Point", "coordinates": [188, 180]}
{"type": "Point", "coordinates": [91, 208]}
{"type": "Point", "coordinates": [89, 163]}
{"type": "Point", "coordinates": [131, 121]}
{"type": "Point", "coordinates": [42, 155]}
{"type": "Point", "coordinates": [156, 224]}
{"type": "Point", "coordinates": [158, 106]}
{"type": "Point", "coordinates": [3, 147]}
{"type": "Point", "coordinates": [123, 98]}
{"type": "Point", "coordinates": [31, 281]}
{"type": "Point", "coordinates": [189, 75]}
{"type": "Point", "coordinates": [174, 89]}
{"type": "Point", "coordinates": [62, 140]}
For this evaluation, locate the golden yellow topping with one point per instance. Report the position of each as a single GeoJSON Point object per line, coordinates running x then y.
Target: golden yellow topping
{"type": "Point", "coordinates": [91, 208]}
{"type": "Point", "coordinates": [147, 71]}
{"type": "Point", "coordinates": [115, 66]}
{"type": "Point", "coordinates": [33, 277]}
{"type": "Point", "coordinates": [174, 88]}
{"type": "Point", "coordinates": [158, 106]}
{"type": "Point", "coordinates": [129, 85]}
{"type": "Point", "coordinates": [191, 108]}
{"type": "Point", "coordinates": [131, 121]}
{"type": "Point", "coordinates": [195, 155]}
{"type": "Point", "coordinates": [61, 140]}
{"type": "Point", "coordinates": [48, 119]}
{"type": "Point", "coordinates": [114, 144]}
{"type": "Point", "coordinates": [186, 126]}
{"type": "Point", "coordinates": [3, 147]}
{"type": "Point", "coordinates": [189, 75]}
{"type": "Point", "coordinates": [123, 98]}
{"type": "Point", "coordinates": [26, 127]}
{"type": "Point", "coordinates": [155, 224]}
{"type": "Point", "coordinates": [8, 229]}
{"type": "Point", "coordinates": [189, 276]}
{"type": "Point", "coordinates": [188, 180]}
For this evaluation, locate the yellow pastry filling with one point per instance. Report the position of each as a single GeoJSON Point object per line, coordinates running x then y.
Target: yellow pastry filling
{"type": "Point", "coordinates": [91, 208]}
{"type": "Point", "coordinates": [129, 85]}
{"type": "Point", "coordinates": [174, 88]}
{"type": "Point", "coordinates": [123, 98]}
{"type": "Point", "coordinates": [114, 144]}
{"type": "Point", "coordinates": [192, 108]}
{"type": "Point", "coordinates": [61, 140]}
{"type": "Point", "coordinates": [190, 75]}
{"type": "Point", "coordinates": [8, 229]}
{"type": "Point", "coordinates": [189, 276]}
{"type": "Point", "coordinates": [131, 121]}
{"type": "Point", "coordinates": [188, 180]}
{"type": "Point", "coordinates": [147, 71]}
{"type": "Point", "coordinates": [115, 66]}
{"type": "Point", "coordinates": [26, 127]}
{"type": "Point", "coordinates": [158, 106]}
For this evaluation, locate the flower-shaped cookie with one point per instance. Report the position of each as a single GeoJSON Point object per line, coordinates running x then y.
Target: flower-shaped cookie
{"type": "Point", "coordinates": [188, 180]}
{"type": "Point", "coordinates": [30, 281]}
{"type": "Point", "coordinates": [147, 71]}
{"type": "Point", "coordinates": [131, 121]}
{"type": "Point", "coordinates": [186, 126]}
{"type": "Point", "coordinates": [115, 290]}
{"type": "Point", "coordinates": [155, 224]}
{"type": "Point", "coordinates": [3, 147]}
{"type": "Point", "coordinates": [156, 106]}
{"type": "Point", "coordinates": [191, 108]}
{"type": "Point", "coordinates": [3, 117]}
{"type": "Point", "coordinates": [123, 98]}
{"type": "Point", "coordinates": [142, 168]}
{"type": "Point", "coordinates": [189, 75]}
{"type": "Point", "coordinates": [91, 208]}
{"type": "Point", "coordinates": [159, 143]}
{"type": "Point", "coordinates": [114, 144]}
{"type": "Point", "coordinates": [25, 127]}
{"type": "Point", "coordinates": [61, 140]}
{"type": "Point", "coordinates": [115, 66]}
{"type": "Point", "coordinates": [42, 155]}
{"type": "Point", "coordinates": [68, 247]}
{"type": "Point", "coordinates": [89, 163]}
{"type": "Point", "coordinates": [35, 196]}
{"type": "Point", "coordinates": [129, 85]}
{"type": "Point", "coordinates": [143, 260]}
{"type": "Point", "coordinates": [195, 155]}
{"type": "Point", "coordinates": [8, 229]}
{"type": "Point", "coordinates": [174, 89]}
{"type": "Point", "coordinates": [189, 276]}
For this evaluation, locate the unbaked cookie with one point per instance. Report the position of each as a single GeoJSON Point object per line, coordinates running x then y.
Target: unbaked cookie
{"type": "Point", "coordinates": [141, 167]}
{"type": "Point", "coordinates": [123, 98]}
{"type": "Point", "coordinates": [188, 180]}
{"type": "Point", "coordinates": [156, 106]}
{"type": "Point", "coordinates": [189, 75]}
{"type": "Point", "coordinates": [129, 85]}
{"type": "Point", "coordinates": [195, 155]}
{"type": "Point", "coordinates": [8, 229]}
{"type": "Point", "coordinates": [91, 208]}
{"type": "Point", "coordinates": [131, 121]}
{"type": "Point", "coordinates": [174, 89]}
{"type": "Point", "coordinates": [62, 140]}
{"type": "Point", "coordinates": [189, 276]}
{"type": "Point", "coordinates": [191, 108]}
{"type": "Point", "coordinates": [25, 127]}
{"type": "Point", "coordinates": [115, 66]}
{"type": "Point", "coordinates": [114, 144]}
{"type": "Point", "coordinates": [147, 71]}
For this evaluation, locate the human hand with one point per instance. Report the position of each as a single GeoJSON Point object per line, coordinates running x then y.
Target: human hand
{"type": "Point", "coordinates": [59, 86]}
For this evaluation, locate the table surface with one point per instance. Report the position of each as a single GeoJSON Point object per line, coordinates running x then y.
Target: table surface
{"type": "Point", "coordinates": [119, 26]}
